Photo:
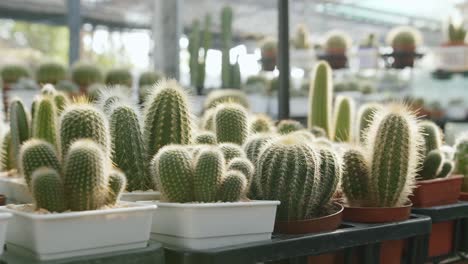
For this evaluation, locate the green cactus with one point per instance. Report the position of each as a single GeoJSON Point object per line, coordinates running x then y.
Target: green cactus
{"type": "Point", "coordinates": [230, 122]}
{"type": "Point", "coordinates": [261, 124]}
{"type": "Point", "coordinates": [287, 126]}
{"type": "Point", "coordinates": [461, 159]}
{"type": "Point", "coordinates": [8, 161]}
{"type": "Point", "coordinates": [226, 39]}
{"type": "Point", "coordinates": [254, 145]}
{"type": "Point", "coordinates": [48, 90]}
{"type": "Point", "coordinates": [318, 132]}
{"type": "Point", "coordinates": [84, 74]}
{"type": "Point", "coordinates": [446, 169]}
{"type": "Point", "coordinates": [167, 117]}
{"type": "Point", "coordinates": [304, 134]}
{"type": "Point", "coordinates": [205, 137]}
{"type": "Point", "coordinates": [119, 77]}
{"type": "Point", "coordinates": [226, 96]}
{"type": "Point", "coordinates": [194, 51]}
{"type": "Point", "coordinates": [287, 170]}
{"type": "Point", "coordinates": [244, 166]}
{"type": "Point", "coordinates": [128, 149]}
{"type": "Point", "coordinates": [320, 98]}
{"type": "Point", "coordinates": [209, 169]}
{"type": "Point", "coordinates": [117, 185]}
{"type": "Point", "coordinates": [431, 165]}
{"type": "Point", "coordinates": [432, 136]}
{"type": "Point", "coordinates": [107, 97]}
{"type": "Point", "coordinates": [12, 73]}
{"type": "Point", "coordinates": [344, 114]}
{"type": "Point", "coordinates": [149, 78]}
{"type": "Point", "coordinates": [323, 142]}
{"type": "Point", "coordinates": [172, 167]}
{"type": "Point", "coordinates": [45, 124]}
{"type": "Point", "coordinates": [61, 101]}
{"type": "Point", "coordinates": [34, 154]}
{"type": "Point", "coordinates": [85, 179]}
{"type": "Point", "coordinates": [48, 191]}
{"type": "Point", "coordinates": [232, 187]}
{"type": "Point", "coordinates": [19, 125]}
{"type": "Point", "coordinates": [231, 151]}
{"type": "Point", "coordinates": [50, 72]}
{"type": "Point", "coordinates": [356, 178]}
{"type": "Point", "coordinates": [365, 115]}
{"type": "Point", "coordinates": [82, 120]}
{"type": "Point", "coordinates": [330, 175]}
{"type": "Point", "coordinates": [207, 122]}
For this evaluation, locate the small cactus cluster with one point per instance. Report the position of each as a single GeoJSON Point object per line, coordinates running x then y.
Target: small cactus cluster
{"type": "Point", "coordinates": [202, 177]}
{"type": "Point", "coordinates": [461, 159]}
{"type": "Point", "coordinates": [383, 173]}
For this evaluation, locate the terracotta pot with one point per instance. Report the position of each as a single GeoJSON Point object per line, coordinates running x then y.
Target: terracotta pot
{"type": "Point", "coordinates": [463, 196]}
{"type": "Point", "coordinates": [436, 192]}
{"type": "Point", "coordinates": [403, 56]}
{"type": "Point", "coordinates": [336, 58]}
{"type": "Point", "coordinates": [391, 251]}
{"type": "Point", "coordinates": [441, 239]}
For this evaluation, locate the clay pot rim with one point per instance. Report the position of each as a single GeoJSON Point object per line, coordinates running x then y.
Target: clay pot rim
{"type": "Point", "coordinates": [408, 204]}
{"type": "Point", "coordinates": [437, 180]}
{"type": "Point", "coordinates": [454, 44]}
{"type": "Point", "coordinates": [339, 211]}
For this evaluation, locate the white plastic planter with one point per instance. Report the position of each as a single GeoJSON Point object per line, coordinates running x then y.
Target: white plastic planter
{"type": "Point", "coordinates": [210, 225]}
{"type": "Point", "coordinates": [70, 234]}
{"type": "Point", "coordinates": [140, 196]}
{"type": "Point", "coordinates": [452, 58]}
{"type": "Point", "coordinates": [15, 189]}
{"type": "Point", "coordinates": [4, 217]}
{"type": "Point", "coordinates": [303, 58]}
{"type": "Point", "coordinates": [368, 58]}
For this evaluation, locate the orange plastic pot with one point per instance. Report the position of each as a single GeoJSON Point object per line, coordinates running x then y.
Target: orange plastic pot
{"type": "Point", "coordinates": [437, 192]}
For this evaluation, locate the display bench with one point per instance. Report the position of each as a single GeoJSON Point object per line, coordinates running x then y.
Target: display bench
{"type": "Point", "coordinates": [351, 241]}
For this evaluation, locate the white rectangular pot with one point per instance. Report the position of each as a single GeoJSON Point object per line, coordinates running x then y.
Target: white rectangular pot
{"type": "Point", "coordinates": [15, 189]}
{"type": "Point", "coordinates": [209, 225]}
{"type": "Point", "coordinates": [4, 217]}
{"type": "Point", "coordinates": [140, 196]}
{"type": "Point", "coordinates": [452, 58]}
{"type": "Point", "coordinates": [71, 234]}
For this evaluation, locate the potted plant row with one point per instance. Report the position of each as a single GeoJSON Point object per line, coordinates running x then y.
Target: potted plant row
{"type": "Point", "coordinates": [404, 41]}
{"type": "Point", "coordinates": [302, 54]}
{"type": "Point", "coordinates": [452, 56]}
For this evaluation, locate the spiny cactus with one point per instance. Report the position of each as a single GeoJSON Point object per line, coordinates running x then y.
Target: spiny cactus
{"type": "Point", "coordinates": [318, 132]}
{"type": "Point", "coordinates": [84, 74]}
{"type": "Point", "coordinates": [48, 191]}
{"type": "Point", "coordinates": [254, 145]}
{"type": "Point", "coordinates": [50, 72]}
{"type": "Point", "coordinates": [261, 124]}
{"type": "Point", "coordinates": [109, 96]}
{"type": "Point", "coordinates": [344, 114]}
{"type": "Point", "coordinates": [231, 151]}
{"type": "Point", "coordinates": [173, 170]}
{"type": "Point", "coordinates": [117, 185]}
{"type": "Point", "coordinates": [232, 187]}
{"type": "Point", "coordinates": [128, 149]}
{"type": "Point", "coordinates": [44, 126]}
{"type": "Point", "coordinates": [432, 165]}
{"type": "Point", "coordinates": [446, 169]}
{"type": "Point", "coordinates": [287, 126]}
{"type": "Point", "coordinates": [149, 78]}
{"type": "Point", "coordinates": [207, 122]}
{"type": "Point", "coordinates": [226, 40]}
{"type": "Point", "coordinates": [19, 125]}
{"type": "Point", "coordinates": [365, 115]}
{"type": "Point", "coordinates": [119, 77]}
{"type": "Point", "coordinates": [356, 177]}
{"type": "Point", "coordinates": [320, 98]}
{"type": "Point", "coordinates": [61, 101]}
{"type": "Point", "coordinates": [330, 175]}
{"type": "Point", "coordinates": [461, 159]}
{"type": "Point", "coordinates": [244, 166]}
{"type": "Point", "coordinates": [8, 161]}
{"type": "Point", "coordinates": [34, 154]}
{"type": "Point", "coordinates": [226, 96]}
{"type": "Point", "coordinates": [167, 117]}
{"type": "Point", "coordinates": [85, 178]}
{"type": "Point", "coordinates": [323, 143]}
{"type": "Point", "coordinates": [11, 73]}
{"type": "Point", "coordinates": [205, 137]}
{"type": "Point", "coordinates": [304, 134]}
{"type": "Point", "coordinates": [230, 122]}
{"type": "Point", "coordinates": [81, 120]}
{"type": "Point", "coordinates": [432, 136]}
{"type": "Point", "coordinates": [209, 169]}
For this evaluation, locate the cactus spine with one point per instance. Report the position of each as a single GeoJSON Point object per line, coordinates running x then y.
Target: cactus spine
{"type": "Point", "coordinates": [230, 123]}
{"type": "Point", "coordinates": [287, 126]}
{"type": "Point", "coordinates": [320, 98]}
{"type": "Point", "coordinates": [261, 124]}
{"type": "Point", "coordinates": [7, 155]}
{"type": "Point", "coordinates": [254, 145]}
{"type": "Point", "coordinates": [344, 114]}
{"type": "Point", "coordinates": [19, 125]}
{"type": "Point", "coordinates": [209, 169]}
{"type": "Point", "coordinates": [48, 191]}
{"type": "Point", "coordinates": [365, 115]}
{"type": "Point", "coordinates": [206, 137]}
{"type": "Point", "coordinates": [244, 166]}
{"type": "Point", "coordinates": [233, 187]}
{"type": "Point", "coordinates": [231, 151]}
{"type": "Point", "coordinates": [356, 178]}
{"type": "Point", "coordinates": [44, 126]}
{"type": "Point", "coordinates": [167, 117]}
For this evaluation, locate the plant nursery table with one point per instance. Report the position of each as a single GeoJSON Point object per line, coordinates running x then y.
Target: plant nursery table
{"type": "Point", "coordinates": [152, 254]}
{"type": "Point", "coordinates": [350, 238]}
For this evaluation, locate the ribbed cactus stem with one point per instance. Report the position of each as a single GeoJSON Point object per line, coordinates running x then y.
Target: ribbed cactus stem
{"type": "Point", "coordinates": [19, 125]}
{"type": "Point", "coordinates": [109, 96]}
{"type": "Point", "coordinates": [230, 122]}
{"type": "Point", "coordinates": [209, 169]}
{"type": "Point", "coordinates": [330, 175]}
{"type": "Point", "coordinates": [432, 165]}
{"type": "Point", "coordinates": [303, 134]}
{"type": "Point", "coordinates": [174, 174]}
{"type": "Point", "coordinates": [128, 148]}
{"type": "Point", "coordinates": [254, 145]}
{"type": "Point", "coordinates": [232, 187]}
{"type": "Point", "coordinates": [8, 161]}
{"type": "Point", "coordinates": [48, 191]}
{"type": "Point", "coordinates": [45, 121]}
{"type": "Point", "coordinates": [244, 166]}
{"type": "Point", "coordinates": [167, 117]}
{"type": "Point", "coordinates": [205, 137]}
{"type": "Point", "coordinates": [261, 124]}
{"type": "Point", "coordinates": [85, 179]}
{"type": "Point", "coordinates": [432, 136]}
{"type": "Point", "coordinates": [320, 98]}
{"type": "Point", "coordinates": [365, 116]}
{"type": "Point", "coordinates": [287, 126]}
{"type": "Point", "coordinates": [231, 151]}
{"type": "Point", "coordinates": [61, 101]}
{"type": "Point", "coordinates": [344, 114]}
{"type": "Point", "coordinates": [117, 185]}
{"type": "Point", "coordinates": [36, 154]}
{"type": "Point", "coordinates": [461, 159]}
{"type": "Point", "coordinates": [207, 122]}
{"type": "Point", "coordinates": [446, 169]}
{"type": "Point", "coordinates": [356, 177]}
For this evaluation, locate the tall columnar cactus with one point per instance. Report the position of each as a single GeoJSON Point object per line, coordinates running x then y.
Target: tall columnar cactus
{"type": "Point", "coordinates": [44, 126]}
{"type": "Point", "coordinates": [34, 154]}
{"type": "Point", "coordinates": [365, 115]}
{"type": "Point", "coordinates": [261, 124]}
{"type": "Point", "coordinates": [194, 48]}
{"type": "Point", "coordinates": [117, 185]}
{"type": "Point", "coordinates": [232, 187]}
{"type": "Point", "coordinates": [244, 166]}
{"type": "Point", "coordinates": [320, 98]}
{"type": "Point", "coordinates": [128, 148]}
{"type": "Point", "coordinates": [19, 125]}
{"type": "Point", "coordinates": [85, 179]}
{"type": "Point", "coordinates": [209, 169]}
{"type": "Point", "coordinates": [288, 125]}
{"type": "Point", "coordinates": [230, 122]}
{"type": "Point", "coordinates": [461, 159]}
{"type": "Point", "coordinates": [81, 120]}
{"type": "Point", "coordinates": [231, 151]}
{"type": "Point", "coordinates": [167, 117]}
{"type": "Point", "coordinates": [330, 175]}
{"type": "Point", "coordinates": [254, 144]}
{"type": "Point", "coordinates": [48, 191]}
{"type": "Point", "coordinates": [344, 114]}
{"type": "Point", "coordinates": [432, 136]}
{"type": "Point", "coordinates": [8, 161]}
{"type": "Point", "coordinates": [174, 173]}
{"type": "Point", "coordinates": [205, 137]}
{"type": "Point", "coordinates": [226, 40]}
{"type": "Point", "coordinates": [395, 139]}
{"type": "Point", "coordinates": [356, 177]}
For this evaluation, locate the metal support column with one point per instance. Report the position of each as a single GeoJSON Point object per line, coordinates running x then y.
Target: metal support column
{"type": "Point", "coordinates": [74, 29]}
{"type": "Point", "coordinates": [283, 59]}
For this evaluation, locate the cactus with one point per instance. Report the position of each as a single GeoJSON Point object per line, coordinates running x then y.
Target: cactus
{"type": "Point", "coordinates": [288, 170]}
{"type": "Point", "coordinates": [61, 101]}
{"type": "Point", "coordinates": [261, 124]}
{"type": "Point", "coordinates": [50, 72]}
{"type": "Point", "coordinates": [231, 151]}
{"type": "Point", "coordinates": [44, 126]}
{"type": "Point", "coordinates": [8, 161]}
{"type": "Point", "coordinates": [194, 51]}
{"type": "Point", "coordinates": [244, 166]}
{"type": "Point", "coordinates": [232, 187]}
{"type": "Point", "coordinates": [356, 177]}
{"type": "Point", "coordinates": [167, 117]}
{"type": "Point", "coordinates": [107, 97]}
{"type": "Point", "coordinates": [12, 73]}
{"type": "Point", "coordinates": [318, 132]}
{"type": "Point", "coordinates": [432, 165]}
{"type": "Point", "coordinates": [209, 169]}
{"type": "Point", "coordinates": [226, 37]}
{"type": "Point", "coordinates": [119, 77]}
{"type": "Point", "coordinates": [84, 74]}
{"type": "Point", "coordinates": [128, 149]}
{"type": "Point", "coordinates": [254, 144]}
{"type": "Point", "coordinates": [323, 142]}
{"type": "Point", "coordinates": [461, 159]}
{"type": "Point", "coordinates": [117, 185]}
{"type": "Point", "coordinates": [34, 154]}
{"type": "Point", "coordinates": [304, 134]}
{"type": "Point", "coordinates": [344, 114]}
{"type": "Point", "coordinates": [19, 125]}
{"type": "Point", "coordinates": [320, 98]}
{"type": "Point", "coordinates": [206, 137]}
{"type": "Point", "coordinates": [149, 78]}
{"type": "Point", "coordinates": [432, 136]}
{"type": "Point", "coordinates": [48, 90]}
{"type": "Point", "coordinates": [85, 178]}
{"type": "Point", "coordinates": [287, 126]}
{"type": "Point", "coordinates": [48, 191]}
{"type": "Point", "coordinates": [207, 122]}
{"type": "Point", "coordinates": [395, 139]}
{"type": "Point", "coordinates": [330, 175]}
{"type": "Point", "coordinates": [173, 170]}
{"type": "Point", "coordinates": [365, 115]}
{"type": "Point", "coordinates": [230, 122]}
{"type": "Point", "coordinates": [446, 169]}
{"type": "Point", "coordinates": [226, 96]}
{"type": "Point", "coordinates": [81, 120]}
